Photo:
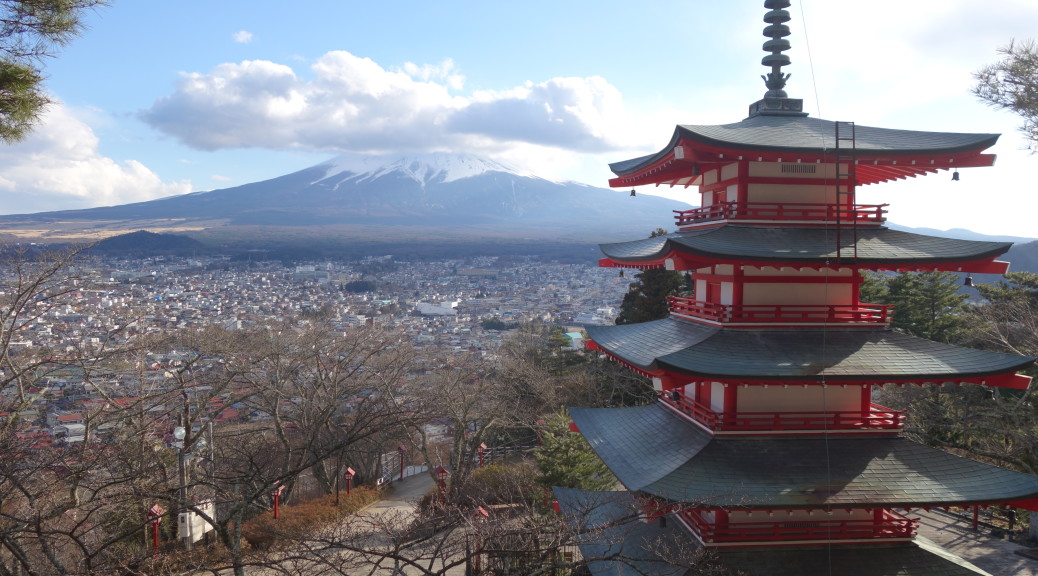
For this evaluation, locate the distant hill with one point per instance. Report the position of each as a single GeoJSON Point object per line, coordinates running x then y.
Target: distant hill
{"type": "Point", "coordinates": [142, 242]}
{"type": "Point", "coordinates": [961, 234]}
{"type": "Point", "coordinates": [1023, 257]}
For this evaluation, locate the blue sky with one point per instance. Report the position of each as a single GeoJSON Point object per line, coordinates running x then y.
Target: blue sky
{"type": "Point", "coordinates": [163, 97]}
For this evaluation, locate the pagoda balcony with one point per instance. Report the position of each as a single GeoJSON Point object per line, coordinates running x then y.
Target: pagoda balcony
{"type": "Point", "coordinates": [876, 419]}
{"type": "Point", "coordinates": [777, 314]}
{"type": "Point", "coordinates": [787, 212]}
{"type": "Point", "coordinates": [889, 526]}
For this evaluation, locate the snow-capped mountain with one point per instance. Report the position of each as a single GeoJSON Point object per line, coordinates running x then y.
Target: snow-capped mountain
{"type": "Point", "coordinates": [438, 167]}
{"type": "Point", "coordinates": [443, 194]}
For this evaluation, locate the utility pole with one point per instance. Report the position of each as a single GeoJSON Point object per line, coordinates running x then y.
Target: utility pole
{"type": "Point", "coordinates": [179, 434]}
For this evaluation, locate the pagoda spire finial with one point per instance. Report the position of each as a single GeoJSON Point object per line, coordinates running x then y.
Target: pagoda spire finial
{"type": "Point", "coordinates": [775, 101]}
{"type": "Point", "coordinates": [777, 30]}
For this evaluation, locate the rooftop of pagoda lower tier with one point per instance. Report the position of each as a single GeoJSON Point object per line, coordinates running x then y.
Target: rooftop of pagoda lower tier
{"type": "Point", "coordinates": [652, 450]}
{"type": "Point", "coordinates": [616, 543]}
{"type": "Point", "coordinates": [824, 355]}
{"type": "Point", "coordinates": [877, 248]}
{"type": "Point", "coordinates": [881, 154]}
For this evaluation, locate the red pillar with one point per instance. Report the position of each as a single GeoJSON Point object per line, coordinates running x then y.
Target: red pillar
{"type": "Point", "coordinates": [731, 400]}
{"type": "Point", "coordinates": [721, 523]}
{"type": "Point", "coordinates": [856, 287]}
{"type": "Point", "coordinates": [743, 187]}
{"type": "Point", "coordinates": [738, 286]}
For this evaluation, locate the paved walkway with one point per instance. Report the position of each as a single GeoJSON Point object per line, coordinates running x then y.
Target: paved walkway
{"type": "Point", "coordinates": [401, 495]}
{"type": "Point", "coordinates": [998, 557]}
{"type": "Point", "coordinates": [398, 500]}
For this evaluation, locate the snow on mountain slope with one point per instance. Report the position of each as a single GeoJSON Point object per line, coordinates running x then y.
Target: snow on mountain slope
{"type": "Point", "coordinates": [422, 168]}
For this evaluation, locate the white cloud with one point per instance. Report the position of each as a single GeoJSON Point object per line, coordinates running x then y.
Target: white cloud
{"type": "Point", "coordinates": [444, 72]}
{"type": "Point", "coordinates": [242, 37]}
{"type": "Point", "coordinates": [354, 104]}
{"type": "Point", "coordinates": [575, 113]}
{"type": "Point", "coordinates": [221, 178]}
{"type": "Point", "coordinates": [59, 167]}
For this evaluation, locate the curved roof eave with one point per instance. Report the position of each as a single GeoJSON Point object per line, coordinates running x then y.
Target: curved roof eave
{"type": "Point", "coordinates": [804, 245]}
{"type": "Point", "coordinates": [620, 545]}
{"type": "Point", "coordinates": [695, 468]}
{"type": "Point", "coordinates": [830, 354]}
{"type": "Point", "coordinates": [811, 136]}
{"type": "Point", "coordinates": [639, 345]}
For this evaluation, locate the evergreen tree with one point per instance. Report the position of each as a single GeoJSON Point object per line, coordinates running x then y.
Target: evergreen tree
{"type": "Point", "coordinates": [996, 424]}
{"type": "Point", "coordinates": [646, 299]}
{"type": "Point", "coordinates": [1016, 287]}
{"type": "Point", "coordinates": [31, 30]}
{"type": "Point", "coordinates": [566, 459]}
{"type": "Point", "coordinates": [927, 304]}
{"type": "Point", "coordinates": [1012, 84]}
{"type": "Point", "coordinates": [873, 288]}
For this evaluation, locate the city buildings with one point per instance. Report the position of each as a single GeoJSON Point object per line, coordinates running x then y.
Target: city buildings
{"type": "Point", "coordinates": [119, 300]}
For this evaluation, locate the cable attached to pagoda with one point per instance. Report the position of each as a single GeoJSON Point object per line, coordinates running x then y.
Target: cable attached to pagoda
{"type": "Point", "coordinates": [810, 61]}
{"type": "Point", "coordinates": [825, 325]}
{"type": "Point", "coordinates": [825, 409]}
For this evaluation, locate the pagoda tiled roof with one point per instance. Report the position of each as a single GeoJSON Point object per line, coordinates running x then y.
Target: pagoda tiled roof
{"type": "Point", "coordinates": [652, 450]}
{"type": "Point", "coordinates": [812, 136]}
{"type": "Point", "coordinates": [879, 354]}
{"type": "Point", "coordinates": [612, 538]}
{"type": "Point", "coordinates": [880, 246]}
{"type": "Point", "coordinates": [900, 559]}
{"type": "Point", "coordinates": [618, 544]}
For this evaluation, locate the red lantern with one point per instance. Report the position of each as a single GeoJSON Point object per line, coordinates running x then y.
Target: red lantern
{"type": "Point", "coordinates": [276, 494]}
{"type": "Point", "coordinates": [348, 477]}
{"type": "Point", "coordinates": [155, 516]}
{"type": "Point", "coordinates": [441, 475]}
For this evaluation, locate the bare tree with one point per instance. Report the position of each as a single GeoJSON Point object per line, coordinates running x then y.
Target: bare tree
{"type": "Point", "coordinates": [313, 394]}
{"type": "Point", "coordinates": [67, 505]}
{"type": "Point", "coordinates": [465, 403]}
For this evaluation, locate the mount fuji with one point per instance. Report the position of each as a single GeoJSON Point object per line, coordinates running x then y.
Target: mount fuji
{"type": "Point", "coordinates": [451, 197]}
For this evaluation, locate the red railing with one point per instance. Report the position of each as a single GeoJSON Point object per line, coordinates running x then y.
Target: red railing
{"type": "Point", "coordinates": [785, 211]}
{"type": "Point", "coordinates": [779, 313]}
{"type": "Point", "coordinates": [875, 418]}
{"type": "Point", "coordinates": [890, 526]}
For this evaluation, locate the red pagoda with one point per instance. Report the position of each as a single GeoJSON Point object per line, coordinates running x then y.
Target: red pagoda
{"type": "Point", "coordinates": [766, 444]}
